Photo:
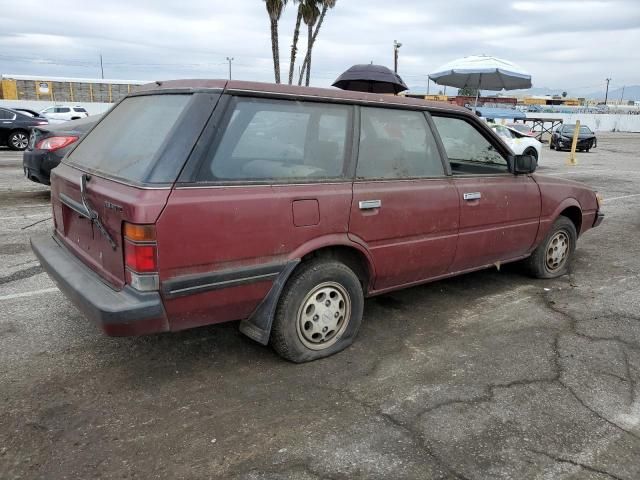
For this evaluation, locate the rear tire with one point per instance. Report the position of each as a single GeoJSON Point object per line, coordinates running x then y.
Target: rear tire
{"type": "Point", "coordinates": [551, 145]}
{"type": "Point", "coordinates": [319, 312]}
{"type": "Point", "coordinates": [552, 257]}
{"type": "Point", "coordinates": [18, 140]}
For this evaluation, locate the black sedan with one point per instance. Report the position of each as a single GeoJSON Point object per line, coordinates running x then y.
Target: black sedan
{"type": "Point", "coordinates": [563, 137]}
{"type": "Point", "coordinates": [48, 145]}
{"type": "Point", "coordinates": [15, 127]}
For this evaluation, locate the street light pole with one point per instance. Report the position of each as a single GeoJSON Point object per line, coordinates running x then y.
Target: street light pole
{"type": "Point", "coordinates": [396, 47]}
{"type": "Point", "coordinates": [229, 59]}
{"type": "Point", "coordinates": [606, 95]}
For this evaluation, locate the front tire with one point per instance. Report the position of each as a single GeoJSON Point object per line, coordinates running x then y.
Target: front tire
{"type": "Point", "coordinates": [319, 312]}
{"type": "Point", "coordinates": [531, 151]}
{"type": "Point", "coordinates": [552, 257]}
{"type": "Point", "coordinates": [18, 140]}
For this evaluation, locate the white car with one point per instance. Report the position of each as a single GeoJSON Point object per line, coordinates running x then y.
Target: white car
{"type": "Point", "coordinates": [64, 112]}
{"type": "Point", "coordinates": [518, 142]}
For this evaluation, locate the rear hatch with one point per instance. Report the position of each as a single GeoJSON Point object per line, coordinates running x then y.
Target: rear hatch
{"type": "Point", "coordinates": [126, 166]}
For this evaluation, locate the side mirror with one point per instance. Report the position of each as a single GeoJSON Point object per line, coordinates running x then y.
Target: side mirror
{"type": "Point", "coordinates": [523, 164]}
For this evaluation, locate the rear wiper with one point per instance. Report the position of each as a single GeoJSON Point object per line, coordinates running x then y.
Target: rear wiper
{"type": "Point", "coordinates": [93, 214]}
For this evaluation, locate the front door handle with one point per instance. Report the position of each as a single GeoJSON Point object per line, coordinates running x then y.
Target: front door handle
{"type": "Point", "coordinates": [369, 204]}
{"type": "Point", "coordinates": [472, 196]}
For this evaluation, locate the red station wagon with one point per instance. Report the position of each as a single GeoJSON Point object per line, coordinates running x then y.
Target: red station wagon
{"type": "Point", "coordinates": [204, 201]}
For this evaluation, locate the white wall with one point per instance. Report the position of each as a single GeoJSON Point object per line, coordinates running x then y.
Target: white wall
{"type": "Point", "coordinates": [602, 122]}
{"type": "Point", "coordinates": [92, 108]}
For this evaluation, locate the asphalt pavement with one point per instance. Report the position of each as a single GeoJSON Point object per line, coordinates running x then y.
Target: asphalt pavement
{"type": "Point", "coordinates": [484, 376]}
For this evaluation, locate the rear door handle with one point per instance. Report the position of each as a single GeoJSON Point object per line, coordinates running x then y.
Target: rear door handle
{"type": "Point", "coordinates": [369, 204]}
{"type": "Point", "coordinates": [472, 196]}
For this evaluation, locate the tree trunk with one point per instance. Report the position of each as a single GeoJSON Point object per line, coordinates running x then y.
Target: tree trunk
{"type": "Point", "coordinates": [275, 49]}
{"type": "Point", "coordinates": [294, 46]}
{"type": "Point", "coordinates": [307, 58]}
{"type": "Point", "coordinates": [309, 50]}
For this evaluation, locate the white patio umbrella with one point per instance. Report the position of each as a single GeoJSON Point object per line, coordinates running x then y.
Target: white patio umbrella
{"type": "Point", "coordinates": [482, 72]}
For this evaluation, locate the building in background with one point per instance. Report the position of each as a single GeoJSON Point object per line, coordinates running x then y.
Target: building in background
{"type": "Point", "coordinates": [62, 89]}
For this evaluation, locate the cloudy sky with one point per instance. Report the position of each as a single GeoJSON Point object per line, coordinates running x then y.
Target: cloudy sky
{"type": "Point", "coordinates": [572, 45]}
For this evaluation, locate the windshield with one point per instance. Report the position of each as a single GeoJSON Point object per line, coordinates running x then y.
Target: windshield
{"type": "Point", "coordinates": [127, 141]}
{"type": "Point", "coordinates": [569, 129]}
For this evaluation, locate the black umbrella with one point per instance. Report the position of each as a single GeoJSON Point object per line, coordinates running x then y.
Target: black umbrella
{"type": "Point", "coordinates": [370, 78]}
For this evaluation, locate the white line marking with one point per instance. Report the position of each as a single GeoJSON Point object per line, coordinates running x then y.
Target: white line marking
{"type": "Point", "coordinates": [28, 294]}
{"type": "Point", "coordinates": [620, 198]}
{"type": "Point", "coordinates": [26, 216]}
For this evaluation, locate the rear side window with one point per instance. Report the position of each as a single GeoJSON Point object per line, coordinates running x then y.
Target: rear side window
{"type": "Point", "coordinates": [79, 109]}
{"type": "Point", "coordinates": [62, 110]}
{"type": "Point", "coordinates": [280, 140]}
{"type": "Point", "coordinates": [396, 144]}
{"type": "Point", "coordinates": [127, 141]}
{"type": "Point", "coordinates": [6, 114]}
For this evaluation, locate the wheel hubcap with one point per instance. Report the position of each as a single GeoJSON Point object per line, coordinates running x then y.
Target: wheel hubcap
{"type": "Point", "coordinates": [20, 140]}
{"type": "Point", "coordinates": [557, 251]}
{"type": "Point", "coordinates": [323, 316]}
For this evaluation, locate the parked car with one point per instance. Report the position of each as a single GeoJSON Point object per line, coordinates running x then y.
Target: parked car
{"type": "Point", "coordinates": [562, 138]}
{"type": "Point", "coordinates": [177, 210]}
{"type": "Point", "coordinates": [522, 128]}
{"type": "Point", "coordinates": [49, 144]}
{"type": "Point", "coordinates": [15, 127]}
{"type": "Point", "coordinates": [520, 144]}
{"type": "Point", "coordinates": [63, 112]}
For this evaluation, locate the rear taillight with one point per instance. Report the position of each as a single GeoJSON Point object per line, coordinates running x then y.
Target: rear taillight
{"type": "Point", "coordinates": [141, 256]}
{"type": "Point", "coordinates": [55, 143]}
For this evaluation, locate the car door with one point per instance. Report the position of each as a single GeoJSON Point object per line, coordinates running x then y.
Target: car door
{"type": "Point", "coordinates": [405, 208]}
{"type": "Point", "coordinates": [499, 211]}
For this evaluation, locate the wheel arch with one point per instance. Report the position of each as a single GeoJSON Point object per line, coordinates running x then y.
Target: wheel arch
{"type": "Point", "coordinates": [336, 247]}
{"type": "Point", "coordinates": [573, 213]}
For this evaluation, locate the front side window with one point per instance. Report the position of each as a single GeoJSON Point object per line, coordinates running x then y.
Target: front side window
{"type": "Point", "coordinates": [280, 140]}
{"type": "Point", "coordinates": [396, 144]}
{"type": "Point", "coordinates": [468, 150]}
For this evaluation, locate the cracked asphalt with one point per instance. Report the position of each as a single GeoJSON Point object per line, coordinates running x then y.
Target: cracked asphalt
{"type": "Point", "coordinates": [489, 375]}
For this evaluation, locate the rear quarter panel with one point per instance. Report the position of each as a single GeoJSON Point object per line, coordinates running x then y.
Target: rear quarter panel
{"type": "Point", "coordinates": [558, 194]}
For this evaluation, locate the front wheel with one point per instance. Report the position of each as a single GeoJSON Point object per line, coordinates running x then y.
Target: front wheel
{"type": "Point", "coordinates": [319, 312]}
{"type": "Point", "coordinates": [551, 258]}
{"type": "Point", "coordinates": [531, 151]}
{"type": "Point", "coordinates": [18, 140]}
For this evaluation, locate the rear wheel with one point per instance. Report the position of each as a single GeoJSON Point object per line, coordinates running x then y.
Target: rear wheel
{"type": "Point", "coordinates": [551, 258]}
{"type": "Point", "coordinates": [319, 312]}
{"type": "Point", "coordinates": [551, 145]}
{"type": "Point", "coordinates": [18, 140]}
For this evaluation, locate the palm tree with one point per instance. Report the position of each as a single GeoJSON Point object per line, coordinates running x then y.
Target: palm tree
{"type": "Point", "coordinates": [274, 9]}
{"type": "Point", "coordinates": [326, 5]}
{"type": "Point", "coordinates": [310, 14]}
{"type": "Point", "coordinates": [296, 35]}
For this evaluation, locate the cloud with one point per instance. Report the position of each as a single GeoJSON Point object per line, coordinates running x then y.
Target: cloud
{"type": "Point", "coordinates": [563, 44]}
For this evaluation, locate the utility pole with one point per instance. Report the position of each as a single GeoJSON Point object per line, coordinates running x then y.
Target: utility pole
{"type": "Point", "coordinates": [622, 96]}
{"type": "Point", "coordinates": [396, 47]}
{"type": "Point", "coordinates": [606, 95]}
{"type": "Point", "coordinates": [428, 82]}
{"type": "Point", "coordinates": [101, 68]}
{"type": "Point", "coordinates": [229, 59]}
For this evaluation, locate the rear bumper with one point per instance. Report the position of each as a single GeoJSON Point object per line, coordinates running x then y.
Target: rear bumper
{"type": "Point", "coordinates": [118, 313]}
{"type": "Point", "coordinates": [38, 164]}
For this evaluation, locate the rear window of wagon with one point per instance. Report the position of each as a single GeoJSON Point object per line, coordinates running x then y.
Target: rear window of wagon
{"type": "Point", "coordinates": [127, 143]}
